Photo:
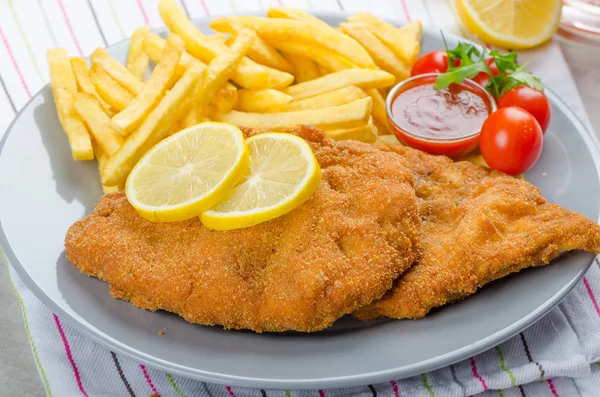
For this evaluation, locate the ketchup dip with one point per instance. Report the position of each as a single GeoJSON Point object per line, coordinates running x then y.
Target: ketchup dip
{"type": "Point", "coordinates": [444, 121]}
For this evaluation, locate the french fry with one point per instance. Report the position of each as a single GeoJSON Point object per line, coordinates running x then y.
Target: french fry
{"type": "Point", "coordinates": [157, 125]}
{"type": "Point", "coordinates": [477, 159]}
{"type": "Point", "coordinates": [298, 15]}
{"type": "Point", "coordinates": [194, 115]}
{"type": "Point", "coordinates": [378, 110]}
{"type": "Point", "coordinates": [388, 140]}
{"type": "Point", "coordinates": [260, 101]}
{"type": "Point", "coordinates": [84, 84]}
{"type": "Point", "coordinates": [218, 72]}
{"type": "Point", "coordinates": [350, 115]}
{"type": "Point", "coordinates": [337, 97]}
{"type": "Point", "coordinates": [260, 51]}
{"type": "Point", "coordinates": [190, 118]}
{"type": "Point", "coordinates": [62, 78]}
{"type": "Point", "coordinates": [366, 133]}
{"type": "Point", "coordinates": [175, 127]}
{"type": "Point", "coordinates": [98, 123]}
{"type": "Point", "coordinates": [112, 189]}
{"type": "Point", "coordinates": [222, 67]}
{"type": "Point", "coordinates": [383, 56]}
{"type": "Point", "coordinates": [362, 78]}
{"type": "Point", "coordinates": [162, 78]}
{"type": "Point", "coordinates": [196, 43]}
{"type": "Point", "coordinates": [330, 59]}
{"type": "Point", "coordinates": [225, 99]}
{"type": "Point", "coordinates": [117, 71]}
{"type": "Point", "coordinates": [154, 46]}
{"type": "Point", "coordinates": [211, 113]}
{"type": "Point", "coordinates": [414, 29]}
{"type": "Point", "coordinates": [220, 38]}
{"type": "Point", "coordinates": [248, 73]}
{"type": "Point", "coordinates": [64, 88]}
{"type": "Point", "coordinates": [381, 129]}
{"type": "Point", "coordinates": [101, 157]}
{"type": "Point", "coordinates": [280, 30]}
{"type": "Point", "coordinates": [79, 138]}
{"type": "Point", "coordinates": [108, 89]}
{"type": "Point", "coordinates": [305, 69]}
{"type": "Point", "coordinates": [323, 70]}
{"type": "Point", "coordinates": [137, 59]}
{"type": "Point", "coordinates": [402, 42]}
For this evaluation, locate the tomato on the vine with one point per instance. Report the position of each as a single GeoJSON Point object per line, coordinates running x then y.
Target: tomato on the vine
{"type": "Point", "coordinates": [511, 140]}
{"type": "Point", "coordinates": [432, 62]}
{"type": "Point", "coordinates": [530, 99]}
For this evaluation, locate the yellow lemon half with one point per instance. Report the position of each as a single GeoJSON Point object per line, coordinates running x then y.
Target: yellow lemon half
{"type": "Point", "coordinates": [283, 174]}
{"type": "Point", "coordinates": [188, 173]}
{"type": "Point", "coordinates": [514, 24]}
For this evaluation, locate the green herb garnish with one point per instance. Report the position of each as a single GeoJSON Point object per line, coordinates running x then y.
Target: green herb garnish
{"type": "Point", "coordinates": [472, 62]}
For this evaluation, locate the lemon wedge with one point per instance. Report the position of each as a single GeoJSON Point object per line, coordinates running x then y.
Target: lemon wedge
{"type": "Point", "coordinates": [514, 24]}
{"type": "Point", "coordinates": [188, 172]}
{"type": "Point", "coordinates": [283, 174]}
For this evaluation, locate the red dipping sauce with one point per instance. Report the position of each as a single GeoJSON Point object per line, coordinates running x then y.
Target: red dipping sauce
{"type": "Point", "coordinates": [438, 121]}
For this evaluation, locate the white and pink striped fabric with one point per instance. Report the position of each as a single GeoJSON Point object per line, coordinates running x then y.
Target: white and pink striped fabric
{"type": "Point", "coordinates": [557, 357]}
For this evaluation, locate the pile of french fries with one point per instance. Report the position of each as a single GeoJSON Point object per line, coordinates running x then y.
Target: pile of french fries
{"type": "Point", "coordinates": [282, 71]}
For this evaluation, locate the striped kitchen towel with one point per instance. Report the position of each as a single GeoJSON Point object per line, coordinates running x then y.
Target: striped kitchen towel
{"type": "Point", "coordinates": [557, 356]}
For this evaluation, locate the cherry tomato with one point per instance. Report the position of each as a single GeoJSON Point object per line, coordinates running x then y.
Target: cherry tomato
{"type": "Point", "coordinates": [530, 99]}
{"type": "Point", "coordinates": [511, 140]}
{"type": "Point", "coordinates": [482, 77]}
{"type": "Point", "coordinates": [432, 62]}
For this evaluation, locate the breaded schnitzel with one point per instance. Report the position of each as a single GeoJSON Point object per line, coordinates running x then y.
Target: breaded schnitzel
{"type": "Point", "coordinates": [477, 226]}
{"type": "Point", "coordinates": [337, 252]}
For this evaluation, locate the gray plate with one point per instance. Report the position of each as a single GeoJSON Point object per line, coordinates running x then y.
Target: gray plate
{"type": "Point", "coordinates": [44, 192]}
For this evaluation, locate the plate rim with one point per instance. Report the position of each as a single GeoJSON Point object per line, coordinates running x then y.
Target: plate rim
{"type": "Point", "coordinates": [313, 383]}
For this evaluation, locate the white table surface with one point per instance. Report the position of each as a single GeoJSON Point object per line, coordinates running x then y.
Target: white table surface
{"type": "Point", "coordinates": [18, 374]}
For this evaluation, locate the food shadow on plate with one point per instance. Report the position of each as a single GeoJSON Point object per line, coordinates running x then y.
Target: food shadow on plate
{"type": "Point", "coordinates": [79, 180]}
{"type": "Point", "coordinates": [89, 295]}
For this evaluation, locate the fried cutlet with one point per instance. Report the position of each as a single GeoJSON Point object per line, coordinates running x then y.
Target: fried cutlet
{"type": "Point", "coordinates": [478, 225]}
{"type": "Point", "coordinates": [337, 252]}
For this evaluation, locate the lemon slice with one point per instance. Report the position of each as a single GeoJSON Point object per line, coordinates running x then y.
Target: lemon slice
{"type": "Point", "coordinates": [188, 172]}
{"type": "Point", "coordinates": [283, 174]}
{"type": "Point", "coordinates": [514, 24]}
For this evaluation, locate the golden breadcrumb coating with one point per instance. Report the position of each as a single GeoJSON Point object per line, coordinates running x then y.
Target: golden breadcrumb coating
{"type": "Point", "coordinates": [477, 226]}
{"type": "Point", "coordinates": [337, 252]}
